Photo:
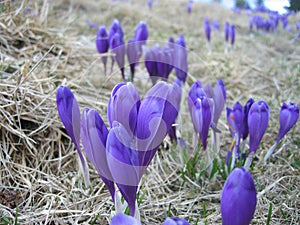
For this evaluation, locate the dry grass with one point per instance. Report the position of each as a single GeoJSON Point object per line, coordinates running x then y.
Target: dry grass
{"type": "Point", "coordinates": [39, 176]}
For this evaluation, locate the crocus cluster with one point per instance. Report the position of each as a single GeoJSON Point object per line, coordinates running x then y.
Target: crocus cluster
{"type": "Point", "coordinates": [121, 219]}
{"type": "Point", "coordinates": [238, 199]}
{"type": "Point", "coordinates": [159, 62]}
{"type": "Point", "coordinates": [252, 119]}
{"type": "Point", "coordinates": [229, 31]}
{"type": "Point", "coordinates": [114, 40]}
{"type": "Point", "coordinates": [122, 153]}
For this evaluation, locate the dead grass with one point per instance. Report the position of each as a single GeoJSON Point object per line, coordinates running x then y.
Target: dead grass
{"type": "Point", "coordinates": [39, 176]}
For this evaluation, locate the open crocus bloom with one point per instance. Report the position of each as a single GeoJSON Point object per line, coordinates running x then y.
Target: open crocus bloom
{"type": "Point", "coordinates": [137, 130]}
{"type": "Point", "coordinates": [238, 200]}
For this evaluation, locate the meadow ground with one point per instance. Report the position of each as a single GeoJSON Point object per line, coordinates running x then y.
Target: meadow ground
{"type": "Point", "coordinates": [40, 182]}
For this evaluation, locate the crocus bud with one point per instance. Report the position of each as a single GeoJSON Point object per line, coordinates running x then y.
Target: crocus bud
{"type": "Point", "coordinates": [227, 31]}
{"type": "Point", "coordinates": [141, 36]}
{"type": "Point", "coordinates": [238, 200]}
{"type": "Point", "coordinates": [232, 34]}
{"type": "Point", "coordinates": [69, 114]}
{"type": "Point", "coordinates": [102, 44]}
{"type": "Point", "coordinates": [289, 115]}
{"type": "Point", "coordinates": [258, 119]}
{"type": "Point", "coordinates": [201, 109]}
{"type": "Point", "coordinates": [122, 219]}
{"type": "Point", "coordinates": [175, 221]}
{"type": "Point", "coordinates": [180, 59]}
{"type": "Point", "coordinates": [118, 48]}
{"type": "Point", "coordinates": [132, 55]}
{"type": "Point", "coordinates": [247, 107]}
{"type": "Point", "coordinates": [207, 29]}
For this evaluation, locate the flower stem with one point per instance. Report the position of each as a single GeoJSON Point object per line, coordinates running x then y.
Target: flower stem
{"type": "Point", "coordinates": [270, 152]}
{"type": "Point", "coordinates": [249, 161]}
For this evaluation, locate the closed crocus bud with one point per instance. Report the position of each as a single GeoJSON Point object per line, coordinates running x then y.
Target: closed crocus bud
{"type": "Point", "coordinates": [164, 62]}
{"type": "Point", "coordinates": [247, 107]}
{"type": "Point", "coordinates": [289, 115]}
{"type": "Point", "coordinates": [189, 7]}
{"type": "Point", "coordinates": [175, 221]}
{"type": "Point", "coordinates": [207, 29]}
{"type": "Point", "coordinates": [227, 31]}
{"type": "Point", "coordinates": [115, 27]}
{"type": "Point", "coordinates": [141, 36]}
{"type": "Point", "coordinates": [201, 109]}
{"type": "Point", "coordinates": [132, 55]}
{"type": "Point", "coordinates": [118, 48]}
{"type": "Point", "coordinates": [180, 59]}
{"type": "Point", "coordinates": [102, 44]}
{"type": "Point", "coordinates": [216, 25]}
{"type": "Point", "coordinates": [258, 119]}
{"type": "Point", "coordinates": [94, 135]}
{"type": "Point", "coordinates": [151, 63]}
{"type": "Point", "coordinates": [232, 34]}
{"type": "Point", "coordinates": [122, 219]}
{"type": "Point", "coordinates": [69, 114]}
{"type": "Point", "coordinates": [238, 200]}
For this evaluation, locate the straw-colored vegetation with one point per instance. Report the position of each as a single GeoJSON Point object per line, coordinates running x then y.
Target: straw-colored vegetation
{"type": "Point", "coordinates": [40, 182]}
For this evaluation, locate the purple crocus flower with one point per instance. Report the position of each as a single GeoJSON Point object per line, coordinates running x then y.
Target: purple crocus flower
{"type": "Point", "coordinates": [69, 114]}
{"type": "Point", "coordinates": [258, 119]}
{"type": "Point", "coordinates": [132, 55]}
{"type": "Point", "coordinates": [289, 115]}
{"type": "Point", "coordinates": [115, 27]}
{"type": "Point", "coordinates": [102, 44]}
{"type": "Point", "coordinates": [227, 31]}
{"type": "Point", "coordinates": [150, 3]}
{"type": "Point", "coordinates": [189, 8]}
{"type": "Point", "coordinates": [235, 119]}
{"type": "Point", "coordinates": [118, 48]}
{"type": "Point", "coordinates": [180, 58]}
{"type": "Point", "coordinates": [141, 36]}
{"type": "Point", "coordinates": [238, 200]}
{"type": "Point", "coordinates": [247, 107]}
{"type": "Point", "coordinates": [216, 25]}
{"type": "Point", "coordinates": [175, 221]}
{"type": "Point", "coordinates": [122, 219]}
{"type": "Point", "coordinates": [94, 135]}
{"type": "Point", "coordinates": [164, 62]}
{"type": "Point", "coordinates": [201, 109]}
{"type": "Point", "coordinates": [137, 130]}
{"type": "Point", "coordinates": [207, 29]}
{"type": "Point", "coordinates": [151, 63]}
{"type": "Point", "coordinates": [232, 34]}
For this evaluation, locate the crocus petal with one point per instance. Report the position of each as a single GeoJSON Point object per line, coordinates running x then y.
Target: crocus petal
{"type": "Point", "coordinates": [132, 55]}
{"type": "Point", "coordinates": [227, 31]}
{"type": "Point", "coordinates": [289, 115]}
{"type": "Point", "coordinates": [115, 27]}
{"type": "Point", "coordinates": [69, 113]}
{"type": "Point", "coordinates": [247, 107]}
{"type": "Point", "coordinates": [180, 58]}
{"type": "Point", "coordinates": [207, 29]}
{"type": "Point", "coordinates": [102, 43]}
{"type": "Point", "coordinates": [158, 111]}
{"type": "Point", "coordinates": [123, 106]}
{"type": "Point", "coordinates": [238, 112]}
{"type": "Point", "coordinates": [175, 221]}
{"type": "Point", "coordinates": [123, 163]}
{"type": "Point", "coordinates": [118, 48]}
{"type": "Point", "coordinates": [238, 200]}
{"type": "Point", "coordinates": [258, 119]}
{"type": "Point", "coordinates": [122, 219]}
{"type": "Point", "coordinates": [201, 110]}
{"type": "Point", "coordinates": [94, 135]}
